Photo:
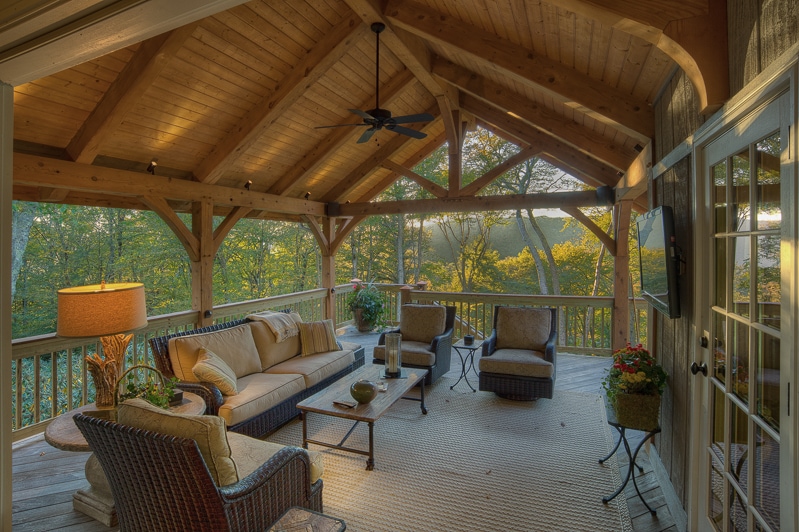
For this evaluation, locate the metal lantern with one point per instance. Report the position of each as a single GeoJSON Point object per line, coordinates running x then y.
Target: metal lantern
{"type": "Point", "coordinates": [393, 354]}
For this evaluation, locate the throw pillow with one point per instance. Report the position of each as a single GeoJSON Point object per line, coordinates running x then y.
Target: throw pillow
{"type": "Point", "coordinates": [207, 431]}
{"type": "Point", "coordinates": [211, 368]}
{"type": "Point", "coordinates": [317, 337]}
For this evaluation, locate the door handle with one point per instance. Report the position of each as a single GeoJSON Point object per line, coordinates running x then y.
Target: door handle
{"type": "Point", "coordinates": [699, 368]}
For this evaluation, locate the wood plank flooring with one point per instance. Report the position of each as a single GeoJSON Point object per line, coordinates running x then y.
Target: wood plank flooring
{"type": "Point", "coordinates": [45, 478]}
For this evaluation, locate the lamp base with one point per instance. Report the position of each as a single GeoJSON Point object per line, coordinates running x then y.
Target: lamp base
{"type": "Point", "coordinates": [401, 374]}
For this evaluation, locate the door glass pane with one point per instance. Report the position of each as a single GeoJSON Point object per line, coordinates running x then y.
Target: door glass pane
{"type": "Point", "coordinates": [720, 196]}
{"type": "Point", "coordinates": [741, 203]}
{"type": "Point", "coordinates": [741, 276]}
{"type": "Point", "coordinates": [716, 492]}
{"type": "Point", "coordinates": [717, 438]}
{"type": "Point", "coordinates": [767, 284]}
{"type": "Point", "coordinates": [767, 379]}
{"type": "Point", "coordinates": [721, 273]}
{"type": "Point", "coordinates": [739, 449]}
{"type": "Point", "coordinates": [720, 347]}
{"type": "Point", "coordinates": [739, 360]}
{"type": "Point", "coordinates": [767, 478]}
{"type": "Point", "coordinates": [769, 212]}
{"type": "Point", "coordinates": [737, 514]}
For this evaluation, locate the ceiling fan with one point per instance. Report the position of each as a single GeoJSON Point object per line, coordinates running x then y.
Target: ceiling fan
{"type": "Point", "coordinates": [377, 118]}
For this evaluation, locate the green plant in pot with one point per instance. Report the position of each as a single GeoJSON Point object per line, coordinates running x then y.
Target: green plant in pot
{"type": "Point", "coordinates": [148, 383]}
{"type": "Point", "coordinates": [633, 385]}
{"type": "Point", "coordinates": [366, 304]}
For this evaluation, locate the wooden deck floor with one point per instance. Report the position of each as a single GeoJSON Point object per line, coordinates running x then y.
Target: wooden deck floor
{"type": "Point", "coordinates": [45, 478]}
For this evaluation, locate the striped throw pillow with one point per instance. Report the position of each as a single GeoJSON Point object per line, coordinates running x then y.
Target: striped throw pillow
{"type": "Point", "coordinates": [317, 337]}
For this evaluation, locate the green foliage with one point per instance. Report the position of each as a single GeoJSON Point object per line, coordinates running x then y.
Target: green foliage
{"type": "Point", "coordinates": [152, 388]}
{"type": "Point", "coordinates": [369, 300]}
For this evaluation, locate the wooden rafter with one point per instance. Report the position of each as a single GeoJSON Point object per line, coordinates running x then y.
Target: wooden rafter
{"type": "Point", "coordinates": [605, 238]}
{"type": "Point", "coordinates": [474, 187]}
{"type": "Point", "coordinates": [126, 91]}
{"type": "Point", "coordinates": [310, 69]}
{"type": "Point", "coordinates": [436, 190]}
{"type": "Point", "coordinates": [605, 103]}
{"type": "Point", "coordinates": [530, 135]}
{"type": "Point", "coordinates": [190, 242]}
{"type": "Point", "coordinates": [547, 121]}
{"type": "Point", "coordinates": [222, 230]}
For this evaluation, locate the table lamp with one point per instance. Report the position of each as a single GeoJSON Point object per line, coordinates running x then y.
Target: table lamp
{"type": "Point", "coordinates": [104, 310]}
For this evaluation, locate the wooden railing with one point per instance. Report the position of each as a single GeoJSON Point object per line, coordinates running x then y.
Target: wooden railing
{"type": "Point", "coordinates": [49, 374]}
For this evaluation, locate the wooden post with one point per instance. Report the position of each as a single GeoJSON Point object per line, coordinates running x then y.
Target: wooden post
{"type": "Point", "coordinates": [405, 294]}
{"type": "Point", "coordinates": [202, 270]}
{"type": "Point", "coordinates": [621, 282]}
{"type": "Point", "coordinates": [329, 269]}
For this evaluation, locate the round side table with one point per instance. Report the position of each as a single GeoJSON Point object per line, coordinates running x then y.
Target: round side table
{"type": "Point", "coordinates": [95, 500]}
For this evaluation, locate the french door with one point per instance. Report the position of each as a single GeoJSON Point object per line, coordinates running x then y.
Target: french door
{"type": "Point", "coordinates": [747, 460]}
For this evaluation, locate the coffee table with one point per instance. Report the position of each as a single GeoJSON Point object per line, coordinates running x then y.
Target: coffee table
{"type": "Point", "coordinates": [322, 403]}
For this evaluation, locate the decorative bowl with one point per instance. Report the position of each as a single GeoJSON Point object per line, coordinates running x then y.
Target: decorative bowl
{"type": "Point", "coordinates": [363, 391]}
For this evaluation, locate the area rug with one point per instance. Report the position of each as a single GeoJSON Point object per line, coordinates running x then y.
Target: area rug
{"type": "Point", "coordinates": [475, 462]}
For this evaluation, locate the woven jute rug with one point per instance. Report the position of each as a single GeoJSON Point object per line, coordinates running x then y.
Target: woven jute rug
{"type": "Point", "coordinates": [475, 462]}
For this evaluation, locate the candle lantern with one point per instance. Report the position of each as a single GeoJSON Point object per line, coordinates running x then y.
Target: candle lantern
{"type": "Point", "coordinates": [393, 355]}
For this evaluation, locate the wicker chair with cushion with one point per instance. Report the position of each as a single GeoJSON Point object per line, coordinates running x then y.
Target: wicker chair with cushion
{"type": "Point", "coordinates": [426, 339]}
{"type": "Point", "coordinates": [518, 359]}
{"type": "Point", "coordinates": [172, 472]}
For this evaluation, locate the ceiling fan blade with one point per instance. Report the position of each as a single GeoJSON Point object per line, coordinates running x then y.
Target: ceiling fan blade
{"type": "Point", "coordinates": [407, 131]}
{"type": "Point", "coordinates": [407, 119]}
{"type": "Point", "coordinates": [367, 135]}
{"type": "Point", "coordinates": [340, 125]}
{"type": "Point", "coordinates": [362, 114]}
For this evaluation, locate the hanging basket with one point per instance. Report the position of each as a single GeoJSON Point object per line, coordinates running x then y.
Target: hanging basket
{"type": "Point", "coordinates": [637, 411]}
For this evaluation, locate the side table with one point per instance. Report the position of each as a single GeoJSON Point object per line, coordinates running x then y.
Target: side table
{"type": "Point", "coordinates": [466, 353]}
{"type": "Point", "coordinates": [631, 455]}
{"type": "Point", "coordinates": [298, 519]}
{"type": "Point", "coordinates": [95, 500]}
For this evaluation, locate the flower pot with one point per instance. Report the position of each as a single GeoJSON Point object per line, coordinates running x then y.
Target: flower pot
{"type": "Point", "coordinates": [362, 325]}
{"type": "Point", "coordinates": [637, 411]}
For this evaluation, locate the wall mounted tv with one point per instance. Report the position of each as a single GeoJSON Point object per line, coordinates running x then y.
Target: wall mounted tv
{"type": "Point", "coordinates": [659, 261]}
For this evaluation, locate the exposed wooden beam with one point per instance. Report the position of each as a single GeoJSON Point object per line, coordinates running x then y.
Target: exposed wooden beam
{"type": "Point", "coordinates": [604, 102]}
{"type": "Point", "coordinates": [484, 180]}
{"type": "Point", "coordinates": [548, 121]}
{"type": "Point", "coordinates": [605, 238]}
{"type": "Point", "coordinates": [333, 141]}
{"type": "Point", "coordinates": [692, 33]}
{"type": "Point", "coordinates": [431, 144]}
{"type": "Point", "coordinates": [224, 227]}
{"type": "Point", "coordinates": [344, 229]}
{"type": "Point", "coordinates": [125, 92]}
{"type": "Point", "coordinates": [436, 190]}
{"type": "Point", "coordinates": [39, 171]}
{"type": "Point", "coordinates": [190, 242]}
{"type": "Point", "coordinates": [308, 71]}
{"type": "Point", "coordinates": [550, 200]}
{"type": "Point", "coordinates": [635, 180]}
{"type": "Point", "coordinates": [530, 135]}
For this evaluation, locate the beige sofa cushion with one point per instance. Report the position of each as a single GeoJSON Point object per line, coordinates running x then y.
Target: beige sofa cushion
{"type": "Point", "coordinates": [234, 345]}
{"type": "Point", "coordinates": [522, 362]}
{"type": "Point", "coordinates": [315, 368]}
{"type": "Point", "coordinates": [271, 351]}
{"type": "Point", "coordinates": [413, 353]}
{"type": "Point", "coordinates": [317, 337]}
{"type": "Point", "coordinates": [208, 431]}
{"type": "Point", "coordinates": [211, 368]}
{"type": "Point", "coordinates": [259, 392]}
{"type": "Point", "coordinates": [422, 323]}
{"type": "Point", "coordinates": [523, 328]}
{"type": "Point", "coordinates": [250, 454]}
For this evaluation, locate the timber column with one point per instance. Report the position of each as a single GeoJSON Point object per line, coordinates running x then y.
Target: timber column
{"type": "Point", "coordinates": [621, 277]}
{"type": "Point", "coordinates": [202, 270]}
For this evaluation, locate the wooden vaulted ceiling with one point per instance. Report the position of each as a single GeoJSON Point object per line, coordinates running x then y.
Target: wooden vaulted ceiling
{"type": "Point", "coordinates": [234, 97]}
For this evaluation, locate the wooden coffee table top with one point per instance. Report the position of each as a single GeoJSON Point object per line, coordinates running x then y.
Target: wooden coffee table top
{"type": "Point", "coordinates": [322, 402]}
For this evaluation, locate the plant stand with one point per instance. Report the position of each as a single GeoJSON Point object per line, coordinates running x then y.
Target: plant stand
{"type": "Point", "coordinates": [631, 455]}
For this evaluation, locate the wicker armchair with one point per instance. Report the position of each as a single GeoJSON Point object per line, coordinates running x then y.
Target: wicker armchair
{"type": "Point", "coordinates": [518, 359]}
{"type": "Point", "coordinates": [161, 483]}
{"type": "Point", "coordinates": [426, 339]}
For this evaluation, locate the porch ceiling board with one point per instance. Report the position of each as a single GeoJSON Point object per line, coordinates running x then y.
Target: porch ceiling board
{"type": "Point", "coordinates": [234, 93]}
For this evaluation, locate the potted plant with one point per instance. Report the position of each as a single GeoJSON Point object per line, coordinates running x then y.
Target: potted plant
{"type": "Point", "coordinates": [149, 384]}
{"type": "Point", "coordinates": [633, 385]}
{"type": "Point", "coordinates": [366, 304]}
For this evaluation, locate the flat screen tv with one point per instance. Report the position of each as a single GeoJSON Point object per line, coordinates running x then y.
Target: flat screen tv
{"type": "Point", "coordinates": [659, 260]}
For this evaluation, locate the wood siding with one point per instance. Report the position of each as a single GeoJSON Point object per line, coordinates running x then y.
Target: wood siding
{"type": "Point", "coordinates": [759, 31]}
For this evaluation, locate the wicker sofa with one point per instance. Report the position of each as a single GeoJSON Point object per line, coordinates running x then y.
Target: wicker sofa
{"type": "Point", "coordinates": [271, 376]}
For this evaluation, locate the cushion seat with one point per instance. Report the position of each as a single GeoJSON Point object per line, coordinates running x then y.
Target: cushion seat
{"type": "Point", "coordinates": [314, 368]}
{"type": "Point", "coordinates": [414, 353]}
{"type": "Point", "coordinates": [259, 392]}
{"type": "Point", "coordinates": [250, 453]}
{"type": "Point", "coordinates": [522, 362]}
